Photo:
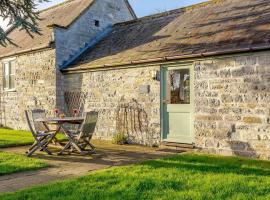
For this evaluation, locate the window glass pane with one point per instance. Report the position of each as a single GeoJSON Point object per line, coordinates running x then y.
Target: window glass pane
{"type": "Point", "coordinates": [6, 68]}
{"type": "Point", "coordinates": [9, 75]}
{"type": "Point", "coordinates": [179, 86]}
{"type": "Point", "coordinates": [12, 82]}
{"type": "Point", "coordinates": [12, 67]}
{"type": "Point", "coordinates": [6, 75]}
{"type": "Point", "coordinates": [6, 82]}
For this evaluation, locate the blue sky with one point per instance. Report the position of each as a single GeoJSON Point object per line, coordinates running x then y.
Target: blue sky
{"type": "Point", "coordinates": [146, 7]}
{"type": "Point", "coordinates": [141, 7]}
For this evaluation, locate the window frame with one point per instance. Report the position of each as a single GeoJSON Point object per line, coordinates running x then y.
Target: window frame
{"type": "Point", "coordinates": [7, 66]}
{"type": "Point", "coordinates": [97, 23]}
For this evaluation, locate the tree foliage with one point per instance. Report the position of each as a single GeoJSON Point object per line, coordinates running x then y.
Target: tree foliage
{"type": "Point", "coordinates": [20, 14]}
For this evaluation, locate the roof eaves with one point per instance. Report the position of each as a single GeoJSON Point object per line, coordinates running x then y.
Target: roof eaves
{"type": "Point", "coordinates": [48, 46]}
{"type": "Point", "coordinates": [169, 58]}
{"type": "Point", "coordinates": [57, 25]}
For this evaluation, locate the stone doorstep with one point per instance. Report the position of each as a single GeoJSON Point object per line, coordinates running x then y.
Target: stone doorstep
{"type": "Point", "coordinates": [62, 167]}
{"type": "Point", "coordinates": [178, 146]}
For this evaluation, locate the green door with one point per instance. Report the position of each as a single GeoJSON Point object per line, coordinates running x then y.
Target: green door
{"type": "Point", "coordinates": [178, 99]}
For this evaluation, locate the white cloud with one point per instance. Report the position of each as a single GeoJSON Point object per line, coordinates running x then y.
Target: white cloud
{"type": "Point", "coordinates": [3, 24]}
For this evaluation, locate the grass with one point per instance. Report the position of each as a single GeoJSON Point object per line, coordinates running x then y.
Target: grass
{"type": "Point", "coordinates": [10, 163]}
{"type": "Point", "coordinates": [12, 138]}
{"type": "Point", "coordinates": [186, 176]}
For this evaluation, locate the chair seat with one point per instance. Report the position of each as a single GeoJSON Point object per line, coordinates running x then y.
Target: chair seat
{"type": "Point", "coordinates": [43, 133]}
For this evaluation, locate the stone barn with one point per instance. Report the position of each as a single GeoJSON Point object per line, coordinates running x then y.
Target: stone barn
{"type": "Point", "coordinates": [197, 76]}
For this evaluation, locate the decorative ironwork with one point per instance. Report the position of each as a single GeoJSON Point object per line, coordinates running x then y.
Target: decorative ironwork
{"type": "Point", "coordinates": [132, 119]}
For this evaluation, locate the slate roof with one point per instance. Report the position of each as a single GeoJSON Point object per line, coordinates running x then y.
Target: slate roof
{"type": "Point", "coordinates": [61, 15]}
{"type": "Point", "coordinates": [214, 27]}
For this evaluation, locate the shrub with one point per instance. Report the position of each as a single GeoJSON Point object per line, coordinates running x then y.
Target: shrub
{"type": "Point", "coordinates": [120, 138]}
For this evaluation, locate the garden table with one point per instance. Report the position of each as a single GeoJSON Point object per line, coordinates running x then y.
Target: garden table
{"type": "Point", "coordinates": [59, 122]}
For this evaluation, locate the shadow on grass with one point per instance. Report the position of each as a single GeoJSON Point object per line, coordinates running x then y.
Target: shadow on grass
{"type": "Point", "coordinates": [213, 164]}
{"type": "Point", "coordinates": [107, 157]}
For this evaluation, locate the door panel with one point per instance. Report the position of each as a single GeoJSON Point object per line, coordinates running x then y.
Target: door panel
{"type": "Point", "coordinates": [178, 104]}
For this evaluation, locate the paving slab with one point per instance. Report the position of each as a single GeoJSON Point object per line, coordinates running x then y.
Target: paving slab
{"type": "Point", "coordinates": [74, 165]}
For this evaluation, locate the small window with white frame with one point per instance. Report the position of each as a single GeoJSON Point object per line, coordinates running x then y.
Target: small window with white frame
{"type": "Point", "coordinates": [8, 75]}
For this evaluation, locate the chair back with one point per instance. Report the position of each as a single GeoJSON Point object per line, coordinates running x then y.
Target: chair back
{"type": "Point", "coordinates": [89, 124]}
{"type": "Point", "coordinates": [27, 115]}
{"type": "Point", "coordinates": [39, 114]}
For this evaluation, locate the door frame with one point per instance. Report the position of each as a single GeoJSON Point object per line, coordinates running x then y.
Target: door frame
{"type": "Point", "coordinates": [163, 118]}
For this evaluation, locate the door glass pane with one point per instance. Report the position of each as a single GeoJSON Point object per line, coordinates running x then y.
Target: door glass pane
{"type": "Point", "coordinates": [179, 80]}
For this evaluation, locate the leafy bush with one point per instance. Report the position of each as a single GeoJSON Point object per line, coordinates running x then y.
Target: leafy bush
{"type": "Point", "coordinates": [120, 138]}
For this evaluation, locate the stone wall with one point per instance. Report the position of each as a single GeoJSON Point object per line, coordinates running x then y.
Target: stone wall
{"type": "Point", "coordinates": [232, 95]}
{"type": "Point", "coordinates": [128, 101]}
{"type": "Point", "coordinates": [35, 87]}
{"type": "Point", "coordinates": [232, 105]}
{"type": "Point", "coordinates": [108, 12]}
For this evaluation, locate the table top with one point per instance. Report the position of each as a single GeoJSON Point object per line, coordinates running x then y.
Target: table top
{"type": "Point", "coordinates": [61, 120]}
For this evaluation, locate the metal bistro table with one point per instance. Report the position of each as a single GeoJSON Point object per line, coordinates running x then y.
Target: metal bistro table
{"type": "Point", "coordinates": [60, 122]}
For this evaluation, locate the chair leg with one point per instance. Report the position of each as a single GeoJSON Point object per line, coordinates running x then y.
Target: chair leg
{"type": "Point", "coordinates": [73, 143]}
{"type": "Point", "coordinates": [39, 144]}
{"type": "Point", "coordinates": [46, 150]}
{"type": "Point", "coordinates": [30, 153]}
{"type": "Point", "coordinates": [33, 145]}
{"type": "Point", "coordinates": [44, 144]}
{"type": "Point", "coordinates": [65, 148]}
{"type": "Point", "coordinates": [91, 145]}
{"type": "Point", "coordinates": [41, 139]}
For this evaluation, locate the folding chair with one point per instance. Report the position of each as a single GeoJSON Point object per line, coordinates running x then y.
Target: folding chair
{"type": "Point", "coordinates": [81, 138]}
{"type": "Point", "coordinates": [39, 126]}
{"type": "Point", "coordinates": [42, 137]}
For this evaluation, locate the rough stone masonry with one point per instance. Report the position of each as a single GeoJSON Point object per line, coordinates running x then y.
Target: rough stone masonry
{"type": "Point", "coordinates": [232, 108]}
{"type": "Point", "coordinates": [35, 87]}
{"type": "Point", "coordinates": [232, 96]}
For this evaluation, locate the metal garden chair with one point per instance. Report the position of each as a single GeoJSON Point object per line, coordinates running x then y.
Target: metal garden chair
{"type": "Point", "coordinates": [81, 138]}
{"type": "Point", "coordinates": [41, 135]}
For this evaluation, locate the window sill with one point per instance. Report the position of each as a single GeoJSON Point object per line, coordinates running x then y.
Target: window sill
{"type": "Point", "coordinates": [10, 90]}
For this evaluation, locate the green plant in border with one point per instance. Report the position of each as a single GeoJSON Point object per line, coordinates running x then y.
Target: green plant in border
{"type": "Point", "coordinates": [120, 138]}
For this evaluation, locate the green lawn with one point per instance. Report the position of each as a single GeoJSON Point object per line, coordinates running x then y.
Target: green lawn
{"type": "Point", "coordinates": [186, 176]}
{"type": "Point", "coordinates": [11, 138]}
{"type": "Point", "coordinates": [10, 163]}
